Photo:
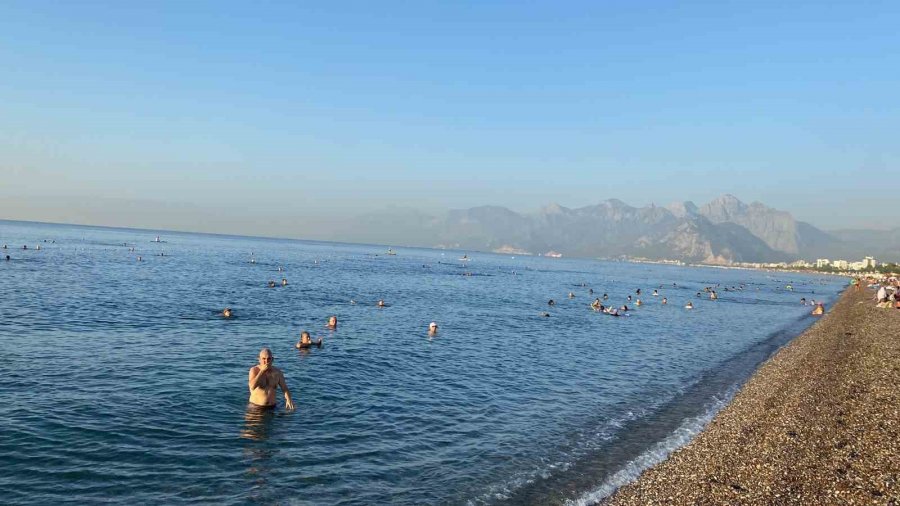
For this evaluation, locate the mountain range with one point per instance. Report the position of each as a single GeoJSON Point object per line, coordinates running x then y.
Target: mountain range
{"type": "Point", "coordinates": [722, 231]}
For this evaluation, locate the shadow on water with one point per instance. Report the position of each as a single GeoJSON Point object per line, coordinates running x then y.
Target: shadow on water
{"type": "Point", "coordinates": [640, 436]}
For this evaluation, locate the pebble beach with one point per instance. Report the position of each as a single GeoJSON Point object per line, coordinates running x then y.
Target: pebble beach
{"type": "Point", "coordinates": [819, 423]}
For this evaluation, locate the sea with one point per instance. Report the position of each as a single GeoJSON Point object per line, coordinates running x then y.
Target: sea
{"type": "Point", "coordinates": [120, 381]}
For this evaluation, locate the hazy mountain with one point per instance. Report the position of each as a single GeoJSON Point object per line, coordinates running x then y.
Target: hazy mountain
{"type": "Point", "coordinates": [882, 244]}
{"type": "Point", "coordinates": [778, 229]}
{"type": "Point", "coordinates": [722, 231]}
{"type": "Point", "coordinates": [391, 226]}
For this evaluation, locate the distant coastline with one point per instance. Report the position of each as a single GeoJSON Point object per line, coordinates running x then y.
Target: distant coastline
{"type": "Point", "coordinates": [503, 250]}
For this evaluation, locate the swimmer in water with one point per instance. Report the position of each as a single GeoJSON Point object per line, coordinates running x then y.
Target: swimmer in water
{"type": "Point", "coordinates": [226, 313]}
{"type": "Point", "coordinates": [605, 296]}
{"type": "Point", "coordinates": [713, 295]}
{"type": "Point", "coordinates": [689, 305]}
{"type": "Point", "coordinates": [271, 284]}
{"type": "Point", "coordinates": [802, 301]}
{"type": "Point", "coordinates": [819, 310]}
{"type": "Point", "coordinates": [596, 305]}
{"type": "Point", "coordinates": [381, 303]}
{"type": "Point", "coordinates": [571, 295]}
{"type": "Point", "coordinates": [655, 293]}
{"type": "Point", "coordinates": [591, 291]}
{"type": "Point", "coordinates": [307, 342]}
{"type": "Point", "coordinates": [283, 281]}
{"type": "Point", "coordinates": [629, 298]}
{"type": "Point", "coordinates": [665, 300]}
{"type": "Point", "coordinates": [432, 328]}
{"type": "Point", "coordinates": [7, 258]}
{"type": "Point", "coordinates": [638, 302]}
{"type": "Point", "coordinates": [332, 323]}
{"type": "Point", "coordinates": [637, 292]}
{"type": "Point", "coordinates": [263, 379]}
{"type": "Point", "coordinates": [551, 302]}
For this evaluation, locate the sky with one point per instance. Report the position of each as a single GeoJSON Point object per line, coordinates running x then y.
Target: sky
{"type": "Point", "coordinates": [279, 118]}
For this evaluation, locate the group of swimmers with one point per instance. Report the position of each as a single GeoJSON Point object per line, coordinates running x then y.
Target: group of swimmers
{"type": "Point", "coordinates": [598, 305]}
{"type": "Point", "coordinates": [24, 247]}
{"type": "Point", "coordinates": [263, 378]}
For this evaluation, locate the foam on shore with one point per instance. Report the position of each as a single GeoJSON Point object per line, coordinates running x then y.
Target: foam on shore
{"type": "Point", "coordinates": [658, 453]}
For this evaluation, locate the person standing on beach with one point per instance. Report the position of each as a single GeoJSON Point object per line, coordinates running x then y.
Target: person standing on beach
{"type": "Point", "coordinates": [264, 379]}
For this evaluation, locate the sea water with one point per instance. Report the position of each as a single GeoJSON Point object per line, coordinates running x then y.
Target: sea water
{"type": "Point", "coordinates": [120, 381]}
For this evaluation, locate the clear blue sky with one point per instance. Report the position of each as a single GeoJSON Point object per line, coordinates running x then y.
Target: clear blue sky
{"type": "Point", "coordinates": [274, 118]}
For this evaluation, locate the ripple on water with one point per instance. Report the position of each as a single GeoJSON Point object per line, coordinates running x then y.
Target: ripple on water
{"type": "Point", "coordinates": [141, 385]}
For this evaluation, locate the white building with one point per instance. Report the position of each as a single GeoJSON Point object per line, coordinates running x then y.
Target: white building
{"type": "Point", "coordinates": [840, 264]}
{"type": "Point", "coordinates": [822, 262]}
{"type": "Point", "coordinates": [869, 262]}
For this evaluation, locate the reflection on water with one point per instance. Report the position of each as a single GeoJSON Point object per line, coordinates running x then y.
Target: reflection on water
{"type": "Point", "coordinates": [258, 453]}
{"type": "Point", "coordinates": [500, 400]}
{"type": "Point", "coordinates": [257, 423]}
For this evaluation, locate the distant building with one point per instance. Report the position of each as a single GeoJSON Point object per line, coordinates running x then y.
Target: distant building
{"type": "Point", "coordinates": [822, 262]}
{"type": "Point", "coordinates": [801, 263]}
{"type": "Point", "coordinates": [841, 264]}
{"type": "Point", "coordinates": [857, 266]}
{"type": "Point", "coordinates": [869, 262]}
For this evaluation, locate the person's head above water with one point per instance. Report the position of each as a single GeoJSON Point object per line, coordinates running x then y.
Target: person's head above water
{"type": "Point", "coordinates": [332, 321]}
{"type": "Point", "coordinates": [226, 312]}
{"type": "Point", "coordinates": [266, 357]}
{"type": "Point", "coordinates": [432, 327]}
{"type": "Point", "coordinates": [305, 337]}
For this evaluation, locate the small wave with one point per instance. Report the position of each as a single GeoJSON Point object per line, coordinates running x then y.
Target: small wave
{"type": "Point", "coordinates": [588, 441]}
{"type": "Point", "coordinates": [659, 452]}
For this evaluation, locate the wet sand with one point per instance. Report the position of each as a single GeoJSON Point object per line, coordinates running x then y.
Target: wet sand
{"type": "Point", "coordinates": [819, 423]}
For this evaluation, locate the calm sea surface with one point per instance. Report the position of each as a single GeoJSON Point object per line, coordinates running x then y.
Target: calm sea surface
{"type": "Point", "coordinates": [119, 381]}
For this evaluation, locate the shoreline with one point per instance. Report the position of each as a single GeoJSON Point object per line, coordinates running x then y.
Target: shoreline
{"type": "Point", "coordinates": [817, 423]}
